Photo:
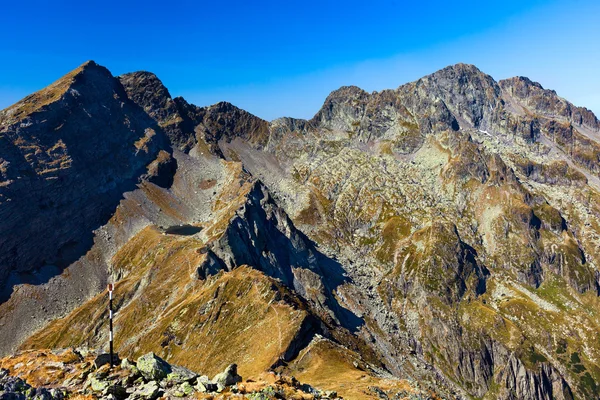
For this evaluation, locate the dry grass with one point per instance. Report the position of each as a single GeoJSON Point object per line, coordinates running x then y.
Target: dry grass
{"type": "Point", "coordinates": [162, 307]}
{"type": "Point", "coordinates": [328, 366]}
{"type": "Point", "coordinates": [34, 102]}
{"type": "Point", "coordinates": [45, 368]}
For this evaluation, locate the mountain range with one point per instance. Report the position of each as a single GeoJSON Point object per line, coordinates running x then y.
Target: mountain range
{"type": "Point", "coordinates": [442, 236]}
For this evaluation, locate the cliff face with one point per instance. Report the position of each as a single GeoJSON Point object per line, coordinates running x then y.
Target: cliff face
{"type": "Point", "coordinates": [447, 231]}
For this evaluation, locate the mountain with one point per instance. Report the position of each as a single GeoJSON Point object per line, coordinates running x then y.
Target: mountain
{"type": "Point", "coordinates": [442, 236]}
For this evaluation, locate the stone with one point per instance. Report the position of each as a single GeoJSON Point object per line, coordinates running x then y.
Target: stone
{"type": "Point", "coordinates": [180, 374]}
{"type": "Point", "coordinates": [42, 394]}
{"type": "Point", "coordinates": [204, 385]}
{"type": "Point", "coordinates": [183, 390]}
{"type": "Point", "coordinates": [153, 367]}
{"type": "Point", "coordinates": [104, 359]}
{"type": "Point", "coordinates": [12, 396]}
{"type": "Point", "coordinates": [227, 378]}
{"type": "Point", "coordinates": [118, 391]}
{"type": "Point", "coordinates": [57, 394]}
{"type": "Point", "coordinates": [14, 384]}
{"type": "Point", "coordinates": [149, 391]}
{"type": "Point", "coordinates": [125, 363]}
{"type": "Point", "coordinates": [98, 384]}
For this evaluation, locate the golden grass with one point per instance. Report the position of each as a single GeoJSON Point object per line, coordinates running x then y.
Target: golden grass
{"type": "Point", "coordinates": [328, 366]}
{"type": "Point", "coordinates": [162, 306]}
{"type": "Point", "coordinates": [34, 102]}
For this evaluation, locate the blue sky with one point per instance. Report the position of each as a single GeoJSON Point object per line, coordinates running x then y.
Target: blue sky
{"type": "Point", "coordinates": [282, 58]}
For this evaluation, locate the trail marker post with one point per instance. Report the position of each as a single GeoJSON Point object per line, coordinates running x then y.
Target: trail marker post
{"type": "Point", "coordinates": [111, 286]}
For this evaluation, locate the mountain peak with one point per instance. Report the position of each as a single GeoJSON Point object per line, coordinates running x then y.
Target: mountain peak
{"type": "Point", "coordinates": [536, 99]}
{"type": "Point", "coordinates": [152, 84]}
{"type": "Point", "coordinates": [50, 94]}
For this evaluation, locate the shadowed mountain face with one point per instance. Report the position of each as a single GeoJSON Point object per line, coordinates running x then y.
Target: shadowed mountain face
{"type": "Point", "coordinates": [446, 232]}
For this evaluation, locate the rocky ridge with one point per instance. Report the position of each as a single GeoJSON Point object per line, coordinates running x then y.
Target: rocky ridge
{"type": "Point", "coordinates": [446, 232]}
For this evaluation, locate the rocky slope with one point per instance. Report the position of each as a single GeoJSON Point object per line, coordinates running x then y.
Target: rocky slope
{"type": "Point", "coordinates": [446, 233]}
{"type": "Point", "coordinates": [81, 373]}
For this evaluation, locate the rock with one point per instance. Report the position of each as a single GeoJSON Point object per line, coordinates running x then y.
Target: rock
{"type": "Point", "coordinates": [227, 378]}
{"type": "Point", "coordinates": [83, 351]}
{"type": "Point", "coordinates": [12, 396]}
{"type": "Point", "coordinates": [153, 367]}
{"type": "Point", "coordinates": [118, 391]}
{"type": "Point", "coordinates": [134, 371]}
{"type": "Point", "coordinates": [42, 394]}
{"type": "Point", "coordinates": [125, 363]}
{"type": "Point", "coordinates": [148, 391]}
{"type": "Point", "coordinates": [414, 192]}
{"type": "Point", "coordinates": [57, 394]}
{"type": "Point", "coordinates": [183, 390]}
{"type": "Point", "coordinates": [12, 384]}
{"type": "Point", "coordinates": [180, 374]}
{"type": "Point", "coordinates": [204, 385]}
{"type": "Point", "coordinates": [98, 384]}
{"type": "Point", "coordinates": [104, 359]}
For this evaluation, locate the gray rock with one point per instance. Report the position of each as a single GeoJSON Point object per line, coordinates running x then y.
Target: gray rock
{"type": "Point", "coordinates": [183, 390]}
{"type": "Point", "coordinates": [98, 384]}
{"type": "Point", "coordinates": [180, 374]}
{"type": "Point", "coordinates": [204, 385]}
{"type": "Point", "coordinates": [153, 367]}
{"type": "Point", "coordinates": [104, 359]}
{"type": "Point", "coordinates": [57, 394]}
{"type": "Point", "coordinates": [42, 394]}
{"type": "Point", "coordinates": [117, 391]}
{"type": "Point", "coordinates": [12, 396]}
{"type": "Point", "coordinates": [147, 391]}
{"type": "Point", "coordinates": [227, 378]}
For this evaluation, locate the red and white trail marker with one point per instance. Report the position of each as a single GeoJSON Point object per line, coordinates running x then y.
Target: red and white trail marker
{"type": "Point", "coordinates": [110, 288]}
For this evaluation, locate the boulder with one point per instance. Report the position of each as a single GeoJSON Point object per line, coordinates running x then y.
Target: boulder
{"type": "Point", "coordinates": [153, 367]}
{"type": "Point", "coordinates": [134, 371]}
{"type": "Point", "coordinates": [98, 384]}
{"type": "Point", "coordinates": [227, 378]}
{"type": "Point", "coordinates": [42, 394]}
{"type": "Point", "coordinates": [12, 396]}
{"type": "Point", "coordinates": [184, 390]}
{"type": "Point", "coordinates": [104, 359]}
{"type": "Point", "coordinates": [204, 385]}
{"type": "Point", "coordinates": [180, 375]}
{"type": "Point", "coordinates": [117, 391]}
{"type": "Point", "coordinates": [147, 391]}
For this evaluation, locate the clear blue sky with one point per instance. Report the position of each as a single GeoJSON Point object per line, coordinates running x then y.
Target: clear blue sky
{"type": "Point", "coordinates": [282, 58]}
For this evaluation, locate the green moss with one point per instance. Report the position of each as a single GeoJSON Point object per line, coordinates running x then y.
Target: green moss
{"type": "Point", "coordinates": [534, 357]}
{"type": "Point", "coordinates": [578, 368]}
{"type": "Point", "coordinates": [588, 384]}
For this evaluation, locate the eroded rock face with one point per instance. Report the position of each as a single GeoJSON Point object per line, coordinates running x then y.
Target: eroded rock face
{"type": "Point", "coordinates": [445, 231]}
